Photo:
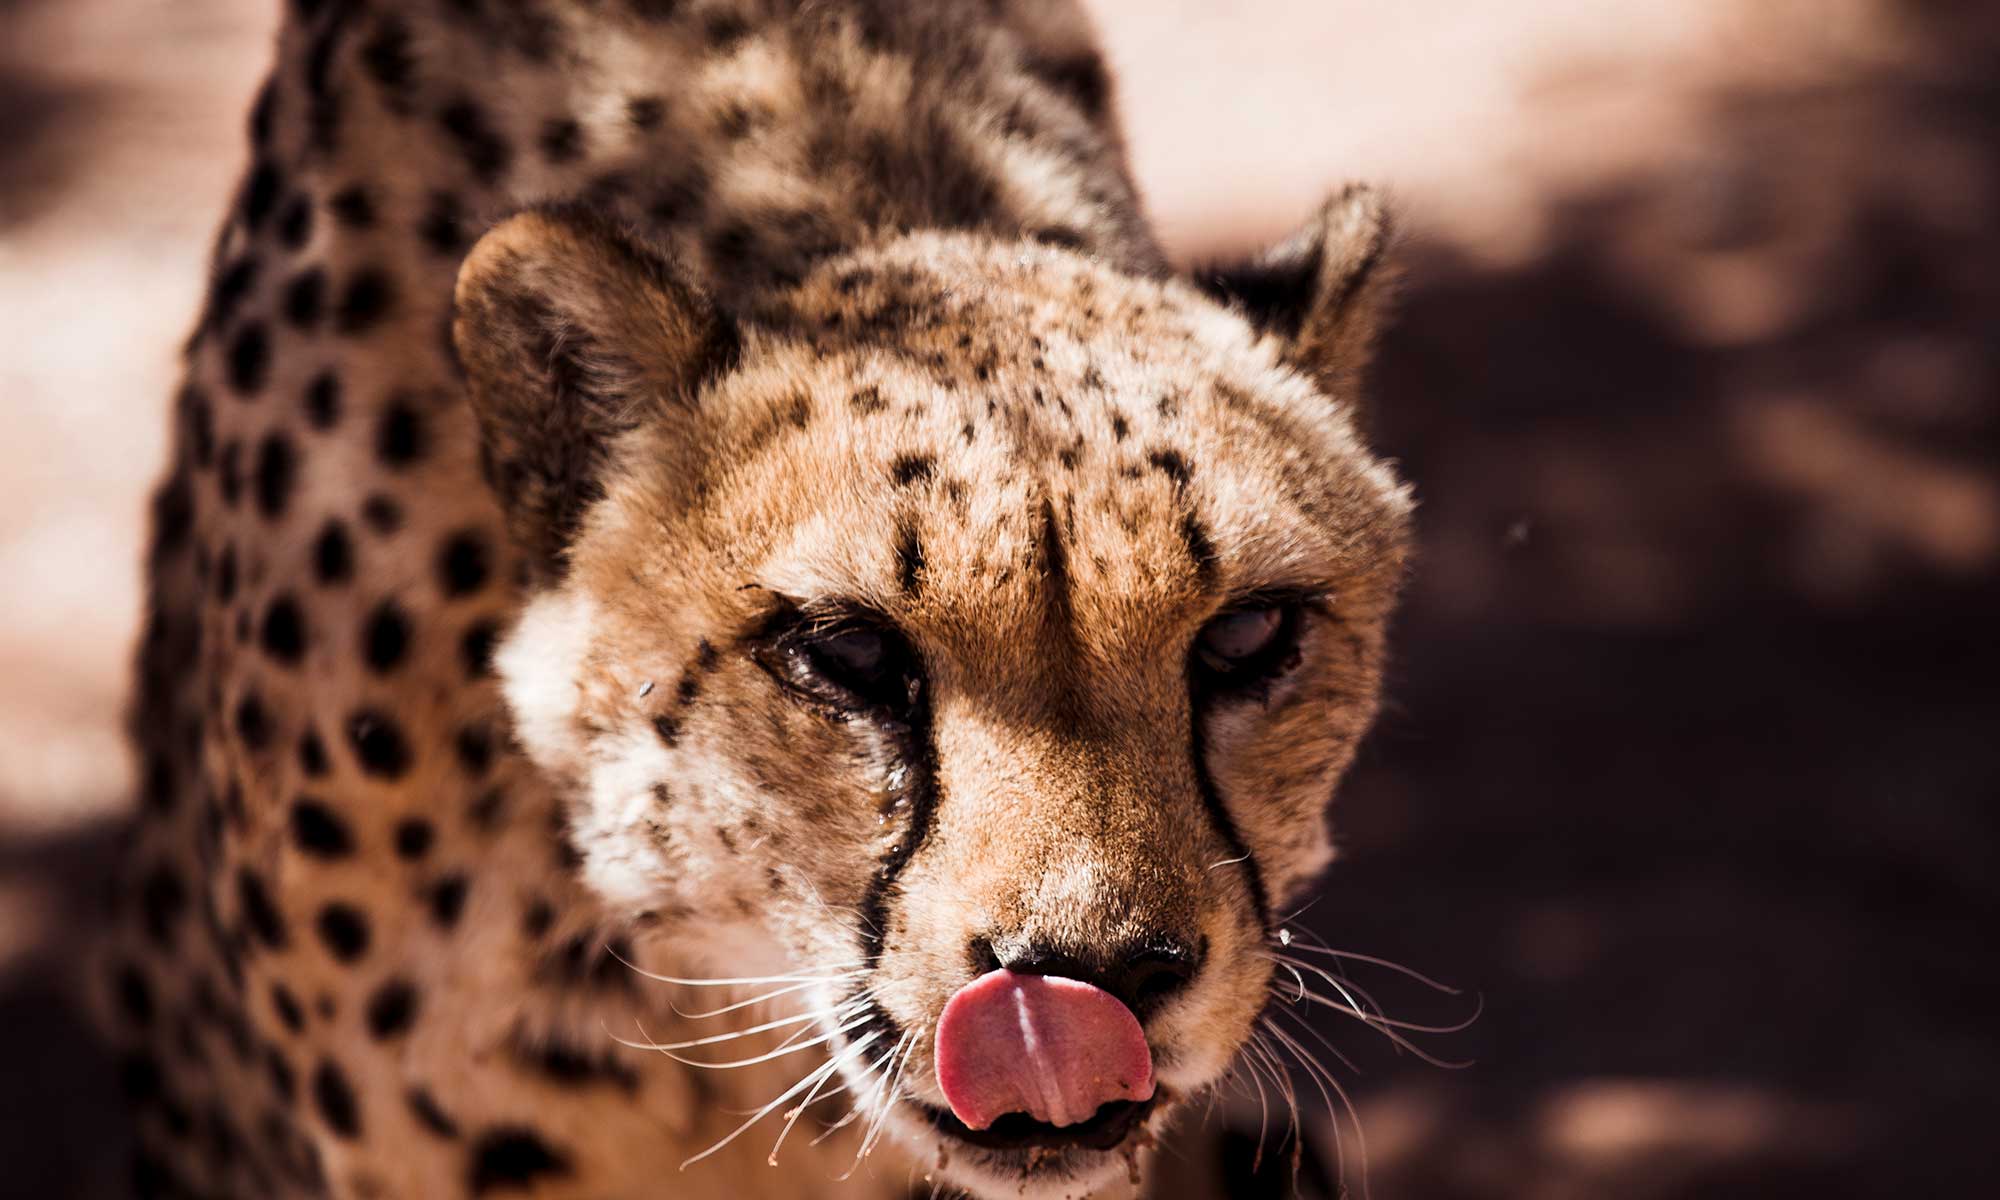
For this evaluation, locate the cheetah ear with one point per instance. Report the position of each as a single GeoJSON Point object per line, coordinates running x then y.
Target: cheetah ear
{"type": "Point", "coordinates": [1323, 292]}
{"type": "Point", "coordinates": [573, 332]}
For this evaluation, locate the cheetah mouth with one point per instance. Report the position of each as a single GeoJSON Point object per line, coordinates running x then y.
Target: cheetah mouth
{"type": "Point", "coordinates": [1038, 1142]}
{"type": "Point", "coordinates": [1105, 1130]}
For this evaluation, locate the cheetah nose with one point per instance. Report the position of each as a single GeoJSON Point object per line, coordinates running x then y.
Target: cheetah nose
{"type": "Point", "coordinates": [1056, 1049]}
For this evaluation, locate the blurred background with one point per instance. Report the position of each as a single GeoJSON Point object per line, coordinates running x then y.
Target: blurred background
{"type": "Point", "coordinates": [1691, 768]}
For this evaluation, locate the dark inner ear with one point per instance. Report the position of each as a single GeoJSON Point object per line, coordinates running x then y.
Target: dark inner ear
{"type": "Point", "coordinates": [1273, 290]}
{"type": "Point", "coordinates": [573, 333]}
{"type": "Point", "coordinates": [1322, 292]}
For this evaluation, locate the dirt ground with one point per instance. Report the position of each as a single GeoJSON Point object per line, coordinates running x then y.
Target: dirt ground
{"type": "Point", "coordinates": [1692, 766]}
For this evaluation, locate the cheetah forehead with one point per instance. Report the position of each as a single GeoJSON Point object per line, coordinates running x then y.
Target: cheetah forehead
{"type": "Point", "coordinates": [951, 429]}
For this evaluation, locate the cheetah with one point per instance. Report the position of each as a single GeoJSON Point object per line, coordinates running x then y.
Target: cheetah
{"type": "Point", "coordinates": [721, 622]}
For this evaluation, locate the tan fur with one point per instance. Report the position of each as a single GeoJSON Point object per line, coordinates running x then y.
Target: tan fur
{"type": "Point", "coordinates": [837, 304]}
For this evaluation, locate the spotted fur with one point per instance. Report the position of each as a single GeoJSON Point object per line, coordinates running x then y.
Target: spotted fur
{"type": "Point", "coordinates": [566, 369]}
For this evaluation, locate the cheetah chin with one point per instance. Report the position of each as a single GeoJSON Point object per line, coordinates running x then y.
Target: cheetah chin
{"type": "Point", "coordinates": [716, 602]}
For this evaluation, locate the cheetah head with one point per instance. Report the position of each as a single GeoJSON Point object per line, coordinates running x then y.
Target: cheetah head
{"type": "Point", "coordinates": [971, 632]}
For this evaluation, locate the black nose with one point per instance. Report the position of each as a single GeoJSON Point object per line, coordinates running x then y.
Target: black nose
{"type": "Point", "coordinates": [1142, 975]}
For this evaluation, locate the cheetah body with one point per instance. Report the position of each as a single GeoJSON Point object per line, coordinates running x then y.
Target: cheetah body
{"type": "Point", "coordinates": [442, 761]}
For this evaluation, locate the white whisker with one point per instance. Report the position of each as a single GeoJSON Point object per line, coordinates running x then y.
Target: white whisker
{"type": "Point", "coordinates": [854, 1112]}
{"type": "Point", "coordinates": [792, 1117]}
{"type": "Point", "coordinates": [755, 1000]}
{"type": "Point", "coordinates": [1385, 964]}
{"type": "Point", "coordinates": [880, 1090]}
{"type": "Point", "coordinates": [1319, 1071]}
{"type": "Point", "coordinates": [788, 1047]}
{"type": "Point", "coordinates": [889, 1096]}
{"type": "Point", "coordinates": [1353, 1008]}
{"type": "Point", "coordinates": [713, 1038]}
{"type": "Point", "coordinates": [830, 1065]}
{"type": "Point", "coordinates": [1317, 1036]}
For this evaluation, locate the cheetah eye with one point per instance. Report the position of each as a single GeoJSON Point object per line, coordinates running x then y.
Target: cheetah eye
{"type": "Point", "coordinates": [852, 656]}
{"type": "Point", "coordinates": [1247, 645]}
{"type": "Point", "coordinates": [854, 664]}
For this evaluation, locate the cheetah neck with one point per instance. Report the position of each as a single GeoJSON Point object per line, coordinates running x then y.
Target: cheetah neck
{"type": "Point", "coordinates": [754, 138]}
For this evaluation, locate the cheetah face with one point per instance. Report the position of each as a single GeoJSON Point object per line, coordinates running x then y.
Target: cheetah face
{"type": "Point", "coordinates": [972, 629]}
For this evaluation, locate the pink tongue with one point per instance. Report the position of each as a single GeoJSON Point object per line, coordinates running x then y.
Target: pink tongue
{"type": "Point", "coordinates": [1056, 1049]}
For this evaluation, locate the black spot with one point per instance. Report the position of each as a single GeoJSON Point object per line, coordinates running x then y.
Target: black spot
{"type": "Point", "coordinates": [173, 516]}
{"type": "Point", "coordinates": [668, 728]}
{"type": "Point", "coordinates": [390, 61]}
{"type": "Point", "coordinates": [513, 1159]}
{"type": "Point", "coordinates": [319, 831]}
{"type": "Point", "coordinates": [485, 151]}
{"type": "Point", "coordinates": [295, 223]}
{"type": "Point", "coordinates": [573, 1066]}
{"type": "Point", "coordinates": [312, 755]}
{"type": "Point", "coordinates": [266, 922]}
{"type": "Point", "coordinates": [343, 929]}
{"type": "Point", "coordinates": [382, 513]}
{"type": "Point", "coordinates": [400, 437]}
{"type": "Point", "coordinates": [1199, 548]}
{"type": "Point", "coordinates": [679, 198]}
{"type": "Point", "coordinates": [645, 111]}
{"type": "Point", "coordinates": [260, 194]}
{"type": "Point", "coordinates": [561, 140]}
{"type": "Point", "coordinates": [447, 900]}
{"type": "Point", "coordinates": [475, 749]}
{"type": "Point", "coordinates": [333, 555]}
{"type": "Point", "coordinates": [283, 635]}
{"type": "Point", "coordinates": [277, 468]}
{"type": "Point", "coordinates": [414, 836]}
{"type": "Point", "coordinates": [249, 359]}
{"type": "Point", "coordinates": [425, 1109]}
{"type": "Point", "coordinates": [735, 122]}
{"type": "Point", "coordinates": [868, 401]}
{"type": "Point", "coordinates": [443, 225]}
{"type": "Point", "coordinates": [323, 400]}
{"type": "Point", "coordinates": [1172, 465]}
{"type": "Point", "coordinates": [725, 28]}
{"type": "Point", "coordinates": [334, 1097]}
{"type": "Point", "coordinates": [378, 744]}
{"type": "Point", "coordinates": [253, 722]}
{"type": "Point", "coordinates": [287, 1007]}
{"type": "Point", "coordinates": [369, 294]}
{"type": "Point", "coordinates": [911, 468]}
{"type": "Point", "coordinates": [200, 424]}
{"type": "Point", "coordinates": [305, 299]}
{"type": "Point", "coordinates": [537, 919]}
{"type": "Point", "coordinates": [230, 287]}
{"type": "Point", "coordinates": [279, 1071]}
{"type": "Point", "coordinates": [134, 996]}
{"type": "Point", "coordinates": [261, 111]}
{"type": "Point", "coordinates": [462, 564]}
{"type": "Point", "coordinates": [391, 1010]}
{"type": "Point", "coordinates": [385, 637]}
{"type": "Point", "coordinates": [475, 649]}
{"type": "Point", "coordinates": [485, 810]}
{"type": "Point", "coordinates": [729, 244]}
{"type": "Point", "coordinates": [163, 900]}
{"type": "Point", "coordinates": [353, 207]}
{"type": "Point", "coordinates": [909, 558]}
{"type": "Point", "coordinates": [688, 688]}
